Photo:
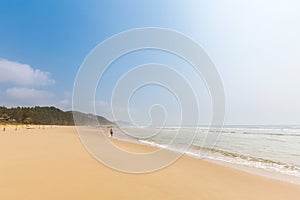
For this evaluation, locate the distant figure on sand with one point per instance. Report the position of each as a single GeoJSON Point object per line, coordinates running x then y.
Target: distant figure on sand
{"type": "Point", "coordinates": [111, 132]}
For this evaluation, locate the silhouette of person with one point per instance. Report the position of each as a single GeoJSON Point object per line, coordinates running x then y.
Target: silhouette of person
{"type": "Point", "coordinates": [111, 132]}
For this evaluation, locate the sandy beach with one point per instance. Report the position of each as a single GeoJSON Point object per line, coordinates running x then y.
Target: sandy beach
{"type": "Point", "coordinates": [51, 163]}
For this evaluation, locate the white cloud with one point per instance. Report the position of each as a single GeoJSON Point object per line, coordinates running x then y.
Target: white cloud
{"type": "Point", "coordinates": [65, 102]}
{"type": "Point", "coordinates": [23, 74]}
{"type": "Point", "coordinates": [28, 96]}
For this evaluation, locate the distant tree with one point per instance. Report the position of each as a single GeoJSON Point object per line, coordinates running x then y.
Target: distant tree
{"type": "Point", "coordinates": [5, 115]}
{"type": "Point", "coordinates": [28, 120]}
{"type": "Point", "coordinates": [48, 115]}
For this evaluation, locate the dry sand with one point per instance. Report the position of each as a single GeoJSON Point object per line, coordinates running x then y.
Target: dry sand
{"type": "Point", "coordinates": [51, 163]}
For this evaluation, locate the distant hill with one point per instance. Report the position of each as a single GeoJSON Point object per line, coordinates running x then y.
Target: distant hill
{"type": "Point", "coordinates": [89, 119]}
{"type": "Point", "coordinates": [48, 115]}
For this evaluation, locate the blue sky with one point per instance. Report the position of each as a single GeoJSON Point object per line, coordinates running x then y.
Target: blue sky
{"type": "Point", "coordinates": [254, 44]}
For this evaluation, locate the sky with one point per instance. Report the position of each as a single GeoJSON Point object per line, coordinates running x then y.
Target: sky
{"type": "Point", "coordinates": [254, 44]}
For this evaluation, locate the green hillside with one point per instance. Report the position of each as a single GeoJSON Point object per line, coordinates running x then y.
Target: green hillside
{"type": "Point", "coordinates": [47, 116]}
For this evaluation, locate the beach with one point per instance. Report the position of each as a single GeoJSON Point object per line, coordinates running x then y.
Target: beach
{"type": "Point", "coordinates": [51, 163]}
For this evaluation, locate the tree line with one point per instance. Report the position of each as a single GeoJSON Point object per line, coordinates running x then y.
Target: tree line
{"type": "Point", "coordinates": [47, 116]}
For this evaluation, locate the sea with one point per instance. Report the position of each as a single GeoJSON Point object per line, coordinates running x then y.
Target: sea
{"type": "Point", "coordinates": [271, 151]}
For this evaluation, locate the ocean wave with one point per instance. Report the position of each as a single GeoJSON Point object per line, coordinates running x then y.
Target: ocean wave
{"type": "Point", "coordinates": [234, 158]}
{"type": "Point", "coordinates": [240, 159]}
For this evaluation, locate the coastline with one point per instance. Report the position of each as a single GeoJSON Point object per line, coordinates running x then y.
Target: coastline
{"type": "Point", "coordinates": [51, 163]}
{"type": "Point", "coordinates": [275, 175]}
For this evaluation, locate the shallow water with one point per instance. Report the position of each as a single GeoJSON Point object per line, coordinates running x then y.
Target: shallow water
{"type": "Point", "coordinates": [274, 149]}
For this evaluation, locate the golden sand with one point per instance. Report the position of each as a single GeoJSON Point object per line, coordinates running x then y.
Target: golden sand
{"type": "Point", "coordinates": [51, 163]}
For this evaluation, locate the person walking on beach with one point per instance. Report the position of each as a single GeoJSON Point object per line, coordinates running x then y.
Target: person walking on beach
{"type": "Point", "coordinates": [111, 132]}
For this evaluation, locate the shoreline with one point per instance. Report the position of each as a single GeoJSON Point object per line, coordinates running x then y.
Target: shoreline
{"type": "Point", "coordinates": [273, 175]}
{"type": "Point", "coordinates": [51, 163]}
{"type": "Point", "coordinates": [245, 168]}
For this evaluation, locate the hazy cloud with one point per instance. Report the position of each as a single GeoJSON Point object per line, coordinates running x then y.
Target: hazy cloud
{"type": "Point", "coordinates": [28, 96]}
